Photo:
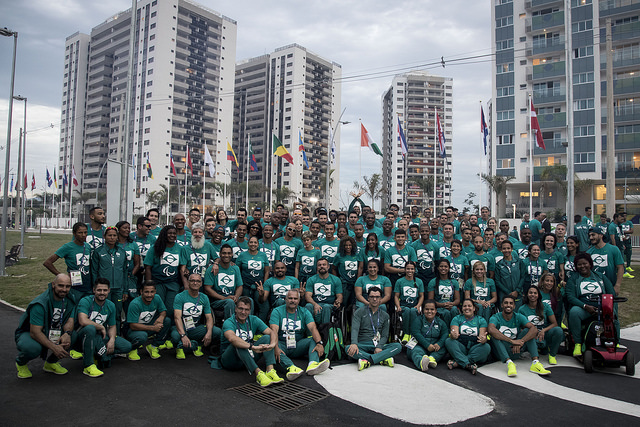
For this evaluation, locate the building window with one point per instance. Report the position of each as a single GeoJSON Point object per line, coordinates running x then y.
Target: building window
{"type": "Point", "coordinates": [504, 163]}
{"type": "Point", "coordinates": [504, 91]}
{"type": "Point", "coordinates": [503, 22]}
{"type": "Point", "coordinates": [504, 68]}
{"type": "Point", "coordinates": [582, 52]}
{"type": "Point", "coordinates": [584, 158]}
{"type": "Point", "coordinates": [505, 139]}
{"type": "Point", "coordinates": [582, 78]}
{"type": "Point", "coordinates": [583, 104]}
{"type": "Point", "coordinates": [584, 131]}
{"type": "Point", "coordinates": [505, 115]}
{"type": "Point", "coordinates": [580, 26]}
{"type": "Point", "coordinates": [504, 44]}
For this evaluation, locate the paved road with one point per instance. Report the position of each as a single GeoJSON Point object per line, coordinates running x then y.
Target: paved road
{"type": "Point", "coordinates": [167, 392]}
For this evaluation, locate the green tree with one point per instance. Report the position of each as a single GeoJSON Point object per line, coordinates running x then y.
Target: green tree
{"type": "Point", "coordinates": [372, 187]}
{"type": "Point", "coordinates": [283, 193]}
{"type": "Point", "coordinates": [498, 185]}
{"type": "Point", "coordinates": [470, 205]}
{"type": "Point", "coordinates": [426, 186]}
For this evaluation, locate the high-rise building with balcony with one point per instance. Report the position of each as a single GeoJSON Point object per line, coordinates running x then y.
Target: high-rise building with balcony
{"type": "Point", "coordinates": [534, 39]}
{"type": "Point", "coordinates": [291, 93]}
{"type": "Point", "coordinates": [183, 84]}
{"type": "Point", "coordinates": [414, 98]}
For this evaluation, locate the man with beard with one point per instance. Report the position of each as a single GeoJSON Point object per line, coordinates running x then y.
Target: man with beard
{"type": "Point", "coordinates": [95, 236]}
{"type": "Point", "coordinates": [268, 246]}
{"type": "Point", "coordinates": [183, 237]}
{"type": "Point", "coordinates": [47, 324]}
{"type": "Point", "coordinates": [329, 244]}
{"type": "Point", "coordinates": [76, 255]}
{"type": "Point", "coordinates": [607, 258]}
{"type": "Point", "coordinates": [147, 317]}
{"type": "Point", "coordinates": [522, 247]}
{"type": "Point", "coordinates": [197, 256]}
{"type": "Point", "coordinates": [297, 337]}
{"type": "Point", "coordinates": [97, 330]}
{"type": "Point", "coordinates": [142, 237]}
{"type": "Point", "coordinates": [275, 288]}
{"type": "Point", "coordinates": [386, 239]}
{"type": "Point", "coordinates": [209, 227]}
{"type": "Point", "coordinates": [323, 292]}
{"type": "Point", "coordinates": [225, 287]}
{"type": "Point", "coordinates": [427, 253]}
{"type": "Point", "coordinates": [370, 224]}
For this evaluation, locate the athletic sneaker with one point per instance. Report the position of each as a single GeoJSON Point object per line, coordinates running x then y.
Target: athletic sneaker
{"type": "Point", "coordinates": [23, 371]}
{"type": "Point", "coordinates": [93, 371]}
{"type": "Point", "coordinates": [552, 360]}
{"type": "Point", "coordinates": [405, 339]}
{"type": "Point", "coordinates": [273, 376]}
{"type": "Point", "coordinates": [363, 364]}
{"type": "Point", "coordinates": [511, 369]}
{"type": "Point", "coordinates": [263, 380]}
{"type": "Point", "coordinates": [75, 355]}
{"type": "Point", "coordinates": [168, 345]}
{"type": "Point", "coordinates": [537, 368]}
{"type": "Point", "coordinates": [424, 363]}
{"type": "Point", "coordinates": [629, 269]}
{"type": "Point", "coordinates": [432, 362]}
{"type": "Point", "coordinates": [153, 351]}
{"type": "Point", "coordinates": [628, 276]}
{"type": "Point", "coordinates": [388, 362]}
{"type": "Point", "coordinates": [198, 352]}
{"type": "Point", "coordinates": [316, 368]}
{"type": "Point", "coordinates": [294, 372]}
{"type": "Point", "coordinates": [133, 355]}
{"type": "Point", "coordinates": [54, 368]}
{"type": "Point", "coordinates": [180, 354]}
{"type": "Point", "coordinates": [577, 350]}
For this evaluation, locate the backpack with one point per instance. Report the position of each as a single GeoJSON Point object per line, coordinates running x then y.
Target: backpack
{"type": "Point", "coordinates": [334, 344]}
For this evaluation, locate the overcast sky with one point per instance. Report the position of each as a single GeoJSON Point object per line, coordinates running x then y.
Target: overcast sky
{"type": "Point", "coordinates": [363, 36]}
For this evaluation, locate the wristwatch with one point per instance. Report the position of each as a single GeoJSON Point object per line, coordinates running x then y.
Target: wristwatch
{"type": "Point", "coordinates": [320, 343]}
{"type": "Point", "coordinates": [183, 335]}
{"type": "Point", "coordinates": [68, 332]}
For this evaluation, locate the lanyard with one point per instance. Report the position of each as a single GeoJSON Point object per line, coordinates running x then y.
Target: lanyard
{"type": "Point", "coordinates": [534, 274]}
{"type": "Point", "coordinates": [433, 322]}
{"type": "Point", "coordinates": [295, 320]}
{"type": "Point", "coordinates": [64, 308]}
{"type": "Point", "coordinates": [239, 330]}
{"type": "Point", "coordinates": [375, 328]}
{"type": "Point", "coordinates": [400, 255]}
{"type": "Point", "coordinates": [112, 254]}
{"type": "Point", "coordinates": [199, 257]}
{"type": "Point", "coordinates": [84, 248]}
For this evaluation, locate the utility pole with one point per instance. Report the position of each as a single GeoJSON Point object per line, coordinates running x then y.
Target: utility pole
{"type": "Point", "coordinates": [611, 143]}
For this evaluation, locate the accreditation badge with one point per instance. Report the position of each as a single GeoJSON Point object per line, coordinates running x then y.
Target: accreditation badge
{"type": "Point", "coordinates": [291, 339]}
{"type": "Point", "coordinates": [76, 278]}
{"type": "Point", "coordinates": [188, 323]}
{"type": "Point", "coordinates": [54, 335]}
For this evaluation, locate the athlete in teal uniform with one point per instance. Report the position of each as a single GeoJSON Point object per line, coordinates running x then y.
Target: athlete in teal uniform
{"type": "Point", "coordinates": [408, 298]}
{"type": "Point", "coordinates": [254, 267]}
{"type": "Point", "coordinates": [541, 315]}
{"type": "Point", "coordinates": [147, 317]}
{"type": "Point", "coordinates": [370, 280]}
{"type": "Point", "coordinates": [161, 265]}
{"type": "Point", "coordinates": [509, 275]}
{"type": "Point", "coordinates": [429, 332]}
{"type": "Point", "coordinates": [225, 287]}
{"type": "Point", "coordinates": [467, 343]}
{"type": "Point", "coordinates": [346, 265]}
{"type": "Point", "coordinates": [197, 255]}
{"type": "Point", "coordinates": [77, 257]}
{"type": "Point", "coordinates": [329, 244]}
{"type": "Point", "coordinates": [481, 291]}
{"type": "Point", "coordinates": [427, 254]}
{"type": "Point", "coordinates": [445, 291]}
{"type": "Point", "coordinates": [323, 293]}
{"type": "Point", "coordinates": [289, 246]}
{"type": "Point", "coordinates": [397, 256]}
{"type": "Point", "coordinates": [133, 259]}
{"type": "Point", "coordinates": [297, 337]}
{"type": "Point", "coordinates": [370, 334]}
{"type": "Point", "coordinates": [306, 259]}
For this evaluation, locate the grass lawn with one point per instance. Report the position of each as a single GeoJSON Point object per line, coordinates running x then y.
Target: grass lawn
{"type": "Point", "coordinates": [29, 278]}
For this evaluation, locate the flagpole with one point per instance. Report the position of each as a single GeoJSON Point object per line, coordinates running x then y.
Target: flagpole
{"type": "Point", "coordinates": [530, 163]}
{"type": "Point", "coordinates": [168, 191]}
{"type": "Point", "coordinates": [204, 188]}
{"type": "Point", "coordinates": [435, 157]}
{"type": "Point", "coordinates": [273, 158]}
{"type": "Point", "coordinates": [186, 171]}
{"type": "Point", "coordinates": [246, 198]}
{"type": "Point", "coordinates": [70, 198]}
{"type": "Point", "coordinates": [481, 156]}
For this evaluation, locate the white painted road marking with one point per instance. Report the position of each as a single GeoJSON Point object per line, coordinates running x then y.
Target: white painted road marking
{"type": "Point", "coordinates": [372, 387]}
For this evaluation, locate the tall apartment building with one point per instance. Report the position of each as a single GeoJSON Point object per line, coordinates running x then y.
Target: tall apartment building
{"type": "Point", "coordinates": [291, 93]}
{"type": "Point", "coordinates": [414, 98]}
{"type": "Point", "coordinates": [532, 50]}
{"type": "Point", "coordinates": [183, 86]}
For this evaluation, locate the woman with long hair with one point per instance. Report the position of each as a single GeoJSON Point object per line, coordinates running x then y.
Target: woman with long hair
{"type": "Point", "coordinates": [161, 265]}
{"type": "Point", "coordinates": [481, 290]}
{"type": "Point", "coordinates": [467, 342]}
{"type": "Point", "coordinates": [429, 333]}
{"type": "Point", "coordinates": [550, 335]}
{"type": "Point", "coordinates": [445, 291]}
{"type": "Point", "coordinates": [133, 258]}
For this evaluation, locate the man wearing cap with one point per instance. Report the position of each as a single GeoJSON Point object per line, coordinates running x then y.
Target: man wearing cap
{"type": "Point", "coordinates": [607, 259]}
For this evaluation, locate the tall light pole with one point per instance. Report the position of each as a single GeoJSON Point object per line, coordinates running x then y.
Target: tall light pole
{"type": "Point", "coordinates": [22, 199]}
{"type": "Point", "coordinates": [328, 177]}
{"type": "Point", "coordinates": [3, 235]}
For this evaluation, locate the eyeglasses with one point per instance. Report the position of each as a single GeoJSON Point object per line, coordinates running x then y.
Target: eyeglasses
{"type": "Point", "coordinates": [290, 229]}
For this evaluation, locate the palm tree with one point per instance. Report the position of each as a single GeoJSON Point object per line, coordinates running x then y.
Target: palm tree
{"type": "Point", "coordinates": [283, 193]}
{"type": "Point", "coordinates": [195, 193]}
{"type": "Point", "coordinates": [372, 187]}
{"type": "Point", "coordinates": [558, 174]}
{"type": "Point", "coordinates": [498, 184]}
{"type": "Point", "coordinates": [218, 188]}
{"type": "Point", "coordinates": [82, 198]}
{"type": "Point", "coordinates": [426, 185]}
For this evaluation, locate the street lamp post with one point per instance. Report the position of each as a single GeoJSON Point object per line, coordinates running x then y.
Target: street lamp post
{"type": "Point", "coordinates": [21, 159]}
{"type": "Point", "coordinates": [3, 235]}
{"type": "Point", "coordinates": [328, 177]}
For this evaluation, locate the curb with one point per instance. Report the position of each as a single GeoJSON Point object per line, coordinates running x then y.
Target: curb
{"type": "Point", "coordinates": [15, 307]}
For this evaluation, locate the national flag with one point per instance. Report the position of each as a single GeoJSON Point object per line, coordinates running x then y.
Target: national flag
{"type": "Point", "coordinates": [252, 158]}
{"type": "Point", "coordinates": [301, 148]}
{"type": "Point", "coordinates": [441, 140]}
{"type": "Point", "coordinates": [148, 165]}
{"type": "Point", "coordinates": [535, 126]}
{"type": "Point", "coordinates": [65, 182]}
{"type": "Point", "coordinates": [134, 164]}
{"type": "Point", "coordinates": [333, 146]}
{"type": "Point", "coordinates": [209, 161]}
{"type": "Point", "coordinates": [26, 184]}
{"type": "Point", "coordinates": [33, 181]}
{"type": "Point", "coordinates": [73, 172]}
{"type": "Point", "coordinates": [49, 180]}
{"type": "Point", "coordinates": [189, 163]}
{"type": "Point", "coordinates": [11, 186]}
{"type": "Point", "coordinates": [402, 139]}
{"type": "Point", "coordinates": [231, 155]}
{"type": "Point", "coordinates": [484, 130]}
{"type": "Point", "coordinates": [367, 141]}
{"type": "Point", "coordinates": [55, 181]}
{"type": "Point", "coordinates": [172, 165]}
{"type": "Point", "coordinates": [280, 151]}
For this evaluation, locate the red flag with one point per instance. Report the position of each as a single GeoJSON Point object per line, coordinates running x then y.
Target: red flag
{"type": "Point", "coordinates": [189, 161]}
{"type": "Point", "coordinates": [173, 167]}
{"type": "Point", "coordinates": [73, 173]}
{"type": "Point", "coordinates": [535, 126]}
{"type": "Point", "coordinates": [33, 181]}
{"type": "Point", "coordinates": [25, 182]}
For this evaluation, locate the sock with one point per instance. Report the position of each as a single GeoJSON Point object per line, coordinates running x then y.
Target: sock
{"type": "Point", "coordinates": [509, 361]}
{"type": "Point", "coordinates": [535, 361]}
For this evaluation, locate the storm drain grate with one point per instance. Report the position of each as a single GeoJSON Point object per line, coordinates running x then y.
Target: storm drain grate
{"type": "Point", "coordinates": [284, 397]}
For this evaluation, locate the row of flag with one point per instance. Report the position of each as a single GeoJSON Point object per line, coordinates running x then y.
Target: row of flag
{"type": "Point", "coordinates": [535, 127]}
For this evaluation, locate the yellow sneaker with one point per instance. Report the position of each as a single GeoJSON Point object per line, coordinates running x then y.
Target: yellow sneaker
{"type": "Point", "coordinates": [75, 355]}
{"type": "Point", "coordinates": [316, 368]}
{"type": "Point", "coordinates": [629, 269]}
{"type": "Point", "coordinates": [577, 350]}
{"type": "Point", "coordinates": [23, 371]}
{"type": "Point", "coordinates": [424, 363]}
{"type": "Point", "coordinates": [432, 362]}
{"type": "Point", "coordinates": [511, 369]}
{"type": "Point", "coordinates": [405, 339]}
{"type": "Point", "coordinates": [293, 372]}
{"type": "Point", "coordinates": [388, 362]}
{"type": "Point", "coordinates": [54, 368]}
{"type": "Point", "coordinates": [133, 355]}
{"type": "Point", "coordinates": [273, 376]}
{"type": "Point", "coordinates": [198, 352]}
{"type": "Point", "coordinates": [153, 351]}
{"type": "Point", "coordinates": [363, 364]}
{"type": "Point", "coordinates": [552, 360]}
{"type": "Point", "coordinates": [168, 345]}
{"type": "Point", "coordinates": [628, 276]}
{"type": "Point", "coordinates": [263, 380]}
{"type": "Point", "coordinates": [180, 354]}
{"type": "Point", "coordinates": [93, 371]}
{"type": "Point", "coordinates": [537, 368]}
